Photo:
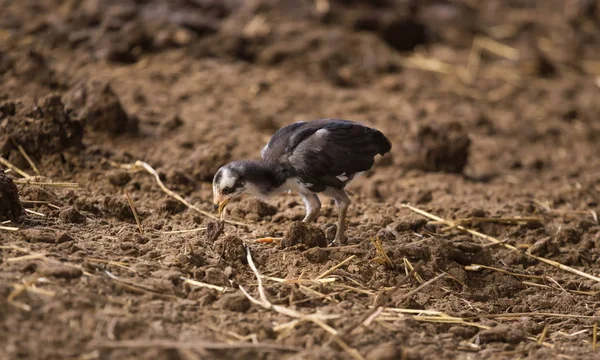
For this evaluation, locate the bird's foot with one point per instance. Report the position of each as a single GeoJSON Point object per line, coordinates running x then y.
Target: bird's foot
{"type": "Point", "coordinates": [338, 241]}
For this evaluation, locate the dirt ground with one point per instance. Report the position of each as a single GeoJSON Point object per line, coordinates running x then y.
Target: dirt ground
{"type": "Point", "coordinates": [492, 110]}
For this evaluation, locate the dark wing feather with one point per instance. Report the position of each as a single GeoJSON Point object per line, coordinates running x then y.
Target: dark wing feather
{"type": "Point", "coordinates": [342, 147]}
{"type": "Point", "coordinates": [278, 143]}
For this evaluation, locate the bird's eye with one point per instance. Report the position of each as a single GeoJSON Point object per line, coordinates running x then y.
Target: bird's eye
{"type": "Point", "coordinates": [227, 190]}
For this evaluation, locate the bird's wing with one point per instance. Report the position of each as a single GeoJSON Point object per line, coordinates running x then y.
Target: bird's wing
{"type": "Point", "coordinates": [279, 141]}
{"type": "Point", "coordinates": [329, 148]}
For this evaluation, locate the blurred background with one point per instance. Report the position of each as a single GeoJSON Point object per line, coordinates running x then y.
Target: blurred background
{"type": "Point", "coordinates": [491, 106]}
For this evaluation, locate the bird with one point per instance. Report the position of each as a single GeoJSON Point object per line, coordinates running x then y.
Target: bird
{"type": "Point", "coordinates": [307, 157]}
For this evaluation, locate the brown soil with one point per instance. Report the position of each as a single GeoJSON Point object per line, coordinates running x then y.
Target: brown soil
{"type": "Point", "coordinates": [186, 86]}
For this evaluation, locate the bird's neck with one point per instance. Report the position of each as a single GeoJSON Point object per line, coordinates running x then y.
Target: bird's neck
{"type": "Point", "coordinates": [267, 177]}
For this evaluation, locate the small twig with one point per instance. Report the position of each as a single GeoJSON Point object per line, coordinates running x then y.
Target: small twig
{"type": "Point", "coordinates": [314, 318]}
{"type": "Point", "coordinates": [208, 345]}
{"type": "Point", "coordinates": [184, 231]}
{"type": "Point", "coordinates": [518, 315]}
{"type": "Point", "coordinates": [543, 335]}
{"type": "Point", "coordinates": [9, 228]}
{"type": "Point", "coordinates": [409, 268]}
{"type": "Point", "coordinates": [595, 337]}
{"type": "Point", "coordinates": [35, 212]}
{"type": "Point", "coordinates": [507, 246]}
{"type": "Point", "coordinates": [384, 257]}
{"type": "Point", "coordinates": [9, 165]}
{"type": "Point", "coordinates": [31, 163]}
{"type": "Point", "coordinates": [134, 211]}
{"type": "Point", "coordinates": [201, 284]}
{"type": "Point", "coordinates": [51, 184]}
{"type": "Point", "coordinates": [326, 273]}
{"type": "Point", "coordinates": [477, 267]}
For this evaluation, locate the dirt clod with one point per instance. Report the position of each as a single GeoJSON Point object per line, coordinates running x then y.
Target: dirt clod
{"type": "Point", "coordinates": [231, 249]}
{"type": "Point", "coordinates": [234, 302]}
{"type": "Point", "coordinates": [41, 130]}
{"type": "Point", "coordinates": [60, 271]}
{"type": "Point", "coordinates": [71, 215]}
{"type": "Point", "coordinates": [254, 209]}
{"type": "Point", "coordinates": [306, 234]}
{"type": "Point", "coordinates": [97, 105]}
{"type": "Point", "coordinates": [502, 333]}
{"type": "Point", "coordinates": [438, 148]}
{"type": "Point", "coordinates": [119, 178]}
{"type": "Point", "coordinates": [10, 205]}
{"type": "Point", "coordinates": [38, 236]}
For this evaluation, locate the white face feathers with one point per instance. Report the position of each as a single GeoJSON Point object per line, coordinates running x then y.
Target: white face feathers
{"type": "Point", "coordinates": [226, 185]}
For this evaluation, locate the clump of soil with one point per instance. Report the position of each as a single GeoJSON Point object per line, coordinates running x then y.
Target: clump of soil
{"type": "Point", "coordinates": [253, 209]}
{"type": "Point", "coordinates": [41, 130]}
{"type": "Point", "coordinates": [231, 249]}
{"type": "Point", "coordinates": [502, 333]}
{"type": "Point", "coordinates": [305, 234]}
{"type": "Point", "coordinates": [10, 205]}
{"type": "Point", "coordinates": [59, 270]}
{"type": "Point", "coordinates": [438, 148]}
{"type": "Point", "coordinates": [98, 106]}
{"type": "Point", "coordinates": [71, 215]}
{"type": "Point", "coordinates": [119, 208]}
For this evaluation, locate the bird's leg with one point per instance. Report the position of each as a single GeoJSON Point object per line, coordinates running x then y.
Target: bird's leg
{"type": "Point", "coordinates": [313, 206]}
{"type": "Point", "coordinates": [343, 202]}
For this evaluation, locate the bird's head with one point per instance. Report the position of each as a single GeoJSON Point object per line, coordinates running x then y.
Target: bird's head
{"type": "Point", "coordinates": [229, 183]}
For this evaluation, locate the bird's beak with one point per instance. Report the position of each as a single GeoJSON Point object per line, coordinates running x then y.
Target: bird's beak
{"type": "Point", "coordinates": [219, 203]}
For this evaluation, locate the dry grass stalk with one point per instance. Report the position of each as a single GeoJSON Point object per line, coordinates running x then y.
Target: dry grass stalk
{"type": "Point", "coordinates": [383, 258]}
{"type": "Point", "coordinates": [595, 337]}
{"type": "Point", "coordinates": [110, 262]}
{"type": "Point", "coordinates": [300, 280]}
{"type": "Point", "coordinates": [9, 228]}
{"type": "Point", "coordinates": [203, 285]}
{"type": "Point", "coordinates": [497, 48]}
{"type": "Point", "coordinates": [134, 211]}
{"type": "Point", "coordinates": [184, 231]}
{"type": "Point", "coordinates": [9, 165]}
{"type": "Point", "coordinates": [68, 185]}
{"type": "Point", "coordinates": [40, 202]}
{"type": "Point", "coordinates": [35, 212]}
{"type": "Point", "coordinates": [543, 335]}
{"type": "Point", "coordinates": [410, 268]}
{"type": "Point", "coordinates": [194, 345]}
{"type": "Point", "coordinates": [26, 258]}
{"type": "Point", "coordinates": [478, 267]}
{"type": "Point", "coordinates": [479, 220]}
{"type": "Point", "coordinates": [150, 170]}
{"type": "Point", "coordinates": [326, 273]}
{"type": "Point", "coordinates": [314, 318]}
{"type": "Point", "coordinates": [28, 159]}
{"type": "Point", "coordinates": [462, 321]}
{"type": "Point", "coordinates": [507, 246]}
{"type": "Point", "coordinates": [421, 62]}
{"type": "Point", "coordinates": [530, 314]}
